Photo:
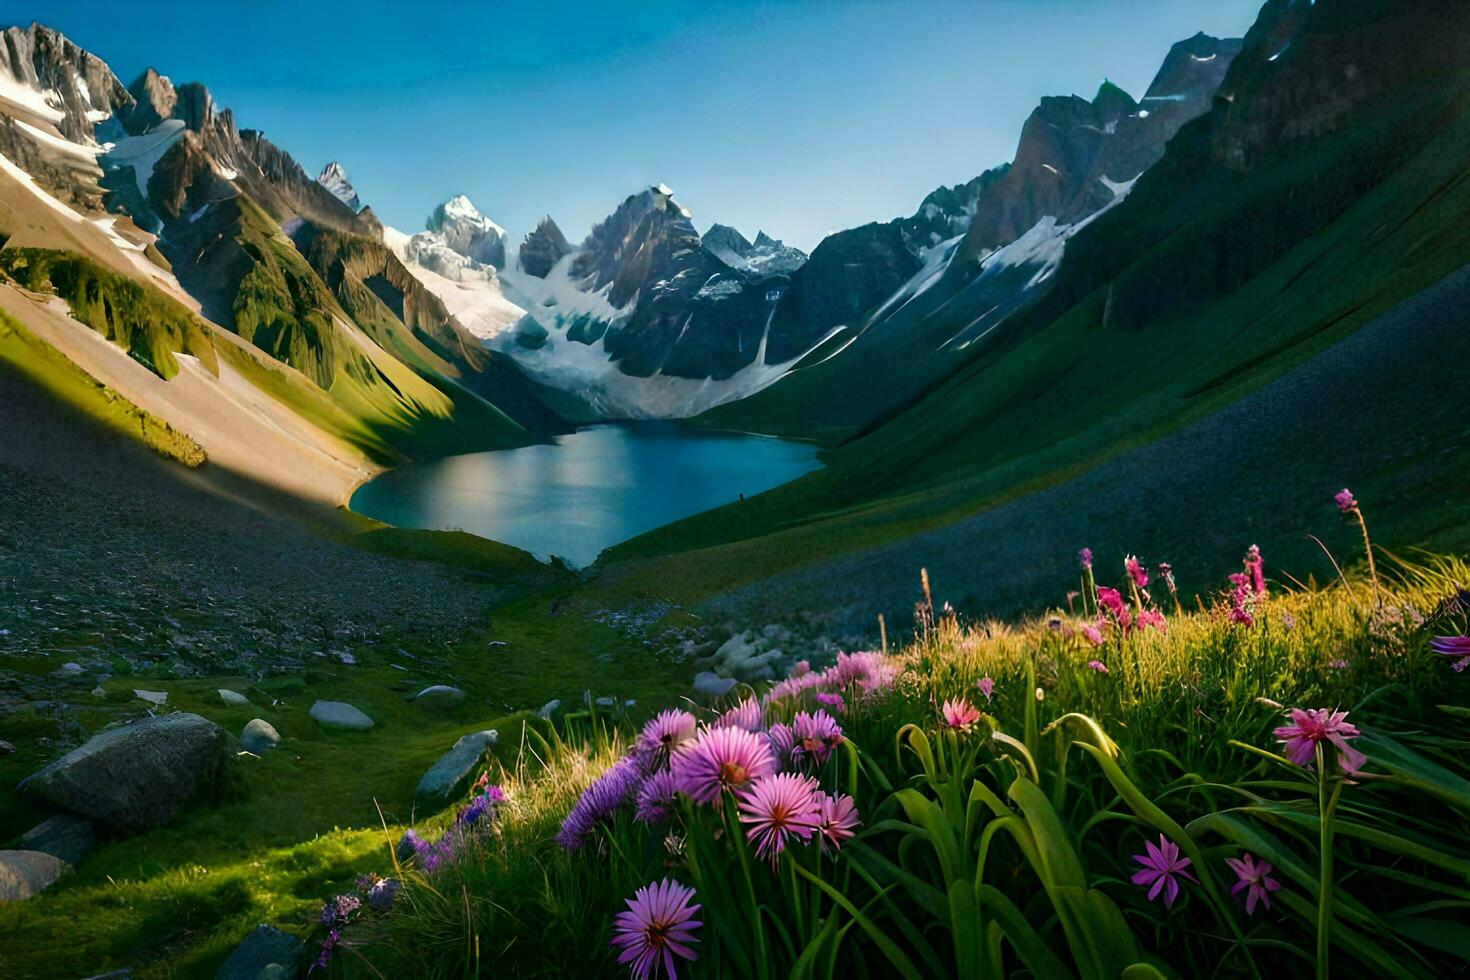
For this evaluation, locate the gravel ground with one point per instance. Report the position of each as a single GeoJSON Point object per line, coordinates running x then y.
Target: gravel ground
{"type": "Point", "coordinates": [106, 552]}
{"type": "Point", "coordinates": [1385, 411]}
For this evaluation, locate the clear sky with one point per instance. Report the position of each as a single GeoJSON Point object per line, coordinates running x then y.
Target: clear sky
{"type": "Point", "coordinates": [795, 118]}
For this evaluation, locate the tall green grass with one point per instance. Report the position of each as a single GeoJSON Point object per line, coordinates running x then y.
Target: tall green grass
{"type": "Point", "coordinates": [1006, 848]}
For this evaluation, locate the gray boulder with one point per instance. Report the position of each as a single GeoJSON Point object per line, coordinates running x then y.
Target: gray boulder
{"type": "Point", "coordinates": [138, 776]}
{"type": "Point", "coordinates": [340, 714]}
{"type": "Point", "coordinates": [712, 685]}
{"type": "Point", "coordinates": [258, 736]}
{"type": "Point", "coordinates": [65, 836]}
{"type": "Point", "coordinates": [23, 873]}
{"type": "Point", "coordinates": [448, 778]}
{"type": "Point", "coordinates": [232, 697]}
{"type": "Point", "coordinates": [266, 953]}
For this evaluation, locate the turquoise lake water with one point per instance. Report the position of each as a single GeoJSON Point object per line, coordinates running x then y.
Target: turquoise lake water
{"type": "Point", "coordinates": [594, 488]}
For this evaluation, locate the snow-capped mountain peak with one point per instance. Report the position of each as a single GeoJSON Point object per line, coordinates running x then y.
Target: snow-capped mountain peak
{"type": "Point", "coordinates": [468, 232]}
{"type": "Point", "coordinates": [334, 178]}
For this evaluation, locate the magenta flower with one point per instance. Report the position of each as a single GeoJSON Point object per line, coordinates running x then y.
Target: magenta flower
{"type": "Point", "coordinates": [1085, 557]}
{"type": "Point", "coordinates": [658, 926]}
{"type": "Point", "coordinates": [1346, 502]}
{"type": "Point", "coordinates": [1311, 726]}
{"type": "Point", "coordinates": [1112, 600]}
{"type": "Point", "coordinates": [960, 715]}
{"type": "Point", "coordinates": [746, 715]}
{"type": "Point", "coordinates": [656, 798]}
{"type": "Point", "coordinates": [1093, 634]}
{"type": "Point", "coordinates": [1162, 865]}
{"type": "Point", "coordinates": [779, 807]}
{"type": "Point", "coordinates": [720, 760]}
{"type": "Point", "coordinates": [1152, 619]}
{"type": "Point", "coordinates": [1252, 873]}
{"type": "Point", "coordinates": [1255, 568]}
{"type": "Point", "coordinates": [1098, 666]}
{"type": "Point", "coordinates": [833, 701]}
{"type": "Point", "coordinates": [1455, 647]}
{"type": "Point", "coordinates": [816, 735]}
{"type": "Point", "coordinates": [986, 686]}
{"type": "Point", "coordinates": [839, 818]}
{"type": "Point", "coordinates": [867, 669]}
{"type": "Point", "coordinates": [664, 733]}
{"type": "Point", "coordinates": [783, 742]}
{"type": "Point", "coordinates": [801, 668]}
{"type": "Point", "coordinates": [1136, 571]}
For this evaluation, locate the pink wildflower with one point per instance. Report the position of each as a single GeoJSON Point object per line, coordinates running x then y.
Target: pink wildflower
{"type": "Point", "coordinates": [656, 798]}
{"type": "Point", "coordinates": [839, 818]}
{"type": "Point", "coordinates": [777, 808]}
{"type": "Point", "coordinates": [1252, 873]}
{"type": "Point", "coordinates": [1152, 619]}
{"type": "Point", "coordinates": [1311, 726]}
{"type": "Point", "coordinates": [1098, 666]}
{"type": "Point", "coordinates": [833, 701]}
{"type": "Point", "coordinates": [1161, 865]}
{"type": "Point", "coordinates": [746, 715]}
{"type": "Point", "coordinates": [1345, 500]}
{"type": "Point", "coordinates": [1093, 634]}
{"type": "Point", "coordinates": [1085, 557]}
{"type": "Point", "coordinates": [816, 735]}
{"type": "Point", "coordinates": [986, 686]}
{"type": "Point", "coordinates": [960, 715]}
{"type": "Point", "coordinates": [662, 735]}
{"type": "Point", "coordinates": [801, 668]}
{"type": "Point", "coordinates": [658, 925]}
{"type": "Point", "coordinates": [1254, 567]}
{"type": "Point", "coordinates": [720, 760]}
{"type": "Point", "coordinates": [1136, 571]}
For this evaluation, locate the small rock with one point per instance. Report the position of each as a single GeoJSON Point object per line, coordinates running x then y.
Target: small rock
{"type": "Point", "coordinates": [6, 748]}
{"type": "Point", "coordinates": [450, 775]}
{"type": "Point", "coordinates": [69, 669]}
{"type": "Point", "coordinates": [607, 702]}
{"type": "Point", "coordinates": [712, 685]}
{"type": "Point", "coordinates": [258, 736]}
{"type": "Point", "coordinates": [549, 708]}
{"type": "Point", "coordinates": [340, 714]}
{"type": "Point", "coordinates": [439, 693]}
{"type": "Point", "coordinates": [65, 836]}
{"type": "Point", "coordinates": [266, 952]}
{"type": "Point", "coordinates": [23, 873]}
{"type": "Point", "coordinates": [99, 691]}
{"type": "Point", "coordinates": [232, 697]}
{"type": "Point", "coordinates": [152, 697]}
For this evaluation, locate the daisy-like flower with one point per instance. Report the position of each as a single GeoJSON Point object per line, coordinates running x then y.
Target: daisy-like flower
{"type": "Point", "coordinates": [1345, 500]}
{"type": "Point", "coordinates": [1309, 726]}
{"type": "Point", "coordinates": [662, 735]}
{"type": "Point", "coordinates": [1098, 666]}
{"type": "Point", "coordinates": [986, 687]}
{"type": "Point", "coordinates": [1162, 867]}
{"type": "Point", "coordinates": [658, 926]}
{"type": "Point", "coordinates": [839, 818]}
{"type": "Point", "coordinates": [1136, 571]}
{"type": "Point", "coordinates": [1252, 873]}
{"type": "Point", "coordinates": [1085, 557]}
{"type": "Point", "coordinates": [783, 742]}
{"type": "Point", "coordinates": [816, 735]}
{"type": "Point", "coordinates": [961, 715]}
{"type": "Point", "coordinates": [1457, 648]}
{"type": "Point", "coordinates": [656, 798]}
{"type": "Point", "coordinates": [779, 807]}
{"type": "Point", "coordinates": [721, 759]}
{"type": "Point", "coordinates": [746, 715]}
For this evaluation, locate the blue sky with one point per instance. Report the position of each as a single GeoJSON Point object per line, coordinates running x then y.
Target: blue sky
{"type": "Point", "coordinates": [796, 118]}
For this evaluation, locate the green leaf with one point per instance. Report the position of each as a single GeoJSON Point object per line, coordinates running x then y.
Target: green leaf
{"type": "Point", "coordinates": [895, 956]}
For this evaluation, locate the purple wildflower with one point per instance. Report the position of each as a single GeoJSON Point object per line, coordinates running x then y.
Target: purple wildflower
{"type": "Point", "coordinates": [663, 735]}
{"type": "Point", "coordinates": [722, 759]}
{"type": "Point", "coordinates": [1456, 648]}
{"type": "Point", "coordinates": [1136, 571]}
{"type": "Point", "coordinates": [1252, 873]}
{"type": "Point", "coordinates": [599, 801]}
{"type": "Point", "coordinates": [1311, 726]}
{"type": "Point", "coordinates": [1162, 865]}
{"type": "Point", "coordinates": [986, 686]}
{"type": "Point", "coordinates": [658, 925]}
{"type": "Point", "coordinates": [1098, 666]}
{"type": "Point", "coordinates": [1345, 500]}
{"type": "Point", "coordinates": [1085, 557]}
{"type": "Point", "coordinates": [656, 798]}
{"type": "Point", "coordinates": [745, 715]}
{"type": "Point", "coordinates": [777, 808]}
{"type": "Point", "coordinates": [833, 701]}
{"type": "Point", "coordinates": [816, 735]}
{"type": "Point", "coordinates": [839, 818]}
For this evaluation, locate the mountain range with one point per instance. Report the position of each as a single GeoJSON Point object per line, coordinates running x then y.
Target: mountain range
{"type": "Point", "coordinates": [1138, 264]}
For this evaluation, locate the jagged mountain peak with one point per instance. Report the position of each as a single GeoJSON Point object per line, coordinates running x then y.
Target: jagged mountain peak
{"type": "Point", "coordinates": [334, 178]}
{"type": "Point", "coordinates": [543, 248]}
{"type": "Point", "coordinates": [469, 232]}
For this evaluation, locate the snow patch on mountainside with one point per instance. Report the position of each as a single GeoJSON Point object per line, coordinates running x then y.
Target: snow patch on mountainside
{"type": "Point", "coordinates": [30, 98]}
{"type": "Point", "coordinates": [144, 151]}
